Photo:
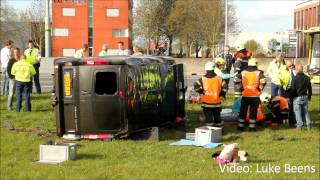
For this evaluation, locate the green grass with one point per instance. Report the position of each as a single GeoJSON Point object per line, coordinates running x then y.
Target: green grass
{"type": "Point", "coordinates": [128, 159]}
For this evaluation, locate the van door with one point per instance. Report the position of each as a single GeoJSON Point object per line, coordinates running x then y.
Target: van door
{"type": "Point", "coordinates": [180, 90]}
{"type": "Point", "coordinates": [108, 99]}
{"type": "Point", "coordinates": [70, 99]}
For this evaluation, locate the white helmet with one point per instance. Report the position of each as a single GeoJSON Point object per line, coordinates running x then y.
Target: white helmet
{"type": "Point", "coordinates": [265, 97]}
{"type": "Point", "coordinates": [209, 66]}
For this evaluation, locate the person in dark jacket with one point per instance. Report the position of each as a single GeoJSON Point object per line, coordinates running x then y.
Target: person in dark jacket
{"type": "Point", "coordinates": [301, 92]}
{"type": "Point", "coordinates": [16, 57]}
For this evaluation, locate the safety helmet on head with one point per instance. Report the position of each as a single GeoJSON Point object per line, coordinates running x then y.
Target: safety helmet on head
{"type": "Point", "coordinates": [209, 66]}
{"type": "Point", "coordinates": [219, 60]}
{"type": "Point", "coordinates": [265, 97]}
{"type": "Point", "coordinates": [240, 47]}
{"type": "Point", "coordinates": [252, 62]}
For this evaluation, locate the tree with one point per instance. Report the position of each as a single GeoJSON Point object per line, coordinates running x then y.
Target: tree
{"type": "Point", "coordinates": [253, 46]}
{"type": "Point", "coordinates": [150, 20]}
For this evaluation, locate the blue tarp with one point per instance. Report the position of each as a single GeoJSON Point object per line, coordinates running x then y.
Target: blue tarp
{"type": "Point", "coordinates": [185, 142]}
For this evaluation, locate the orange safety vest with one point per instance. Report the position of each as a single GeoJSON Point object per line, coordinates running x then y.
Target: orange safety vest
{"type": "Point", "coordinates": [283, 102]}
{"type": "Point", "coordinates": [212, 89]}
{"type": "Point", "coordinates": [250, 83]}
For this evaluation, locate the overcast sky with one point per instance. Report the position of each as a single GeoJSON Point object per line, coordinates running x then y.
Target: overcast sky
{"type": "Point", "coordinates": [253, 15]}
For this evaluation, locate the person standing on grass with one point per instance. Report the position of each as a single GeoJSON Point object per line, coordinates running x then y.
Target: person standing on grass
{"type": "Point", "coordinates": [302, 92]}
{"type": "Point", "coordinates": [253, 82]}
{"type": "Point", "coordinates": [12, 83]}
{"type": "Point", "coordinates": [274, 71]}
{"type": "Point", "coordinates": [33, 56]}
{"type": "Point", "coordinates": [5, 57]}
{"type": "Point", "coordinates": [291, 73]}
{"type": "Point", "coordinates": [212, 87]}
{"type": "Point", "coordinates": [23, 72]}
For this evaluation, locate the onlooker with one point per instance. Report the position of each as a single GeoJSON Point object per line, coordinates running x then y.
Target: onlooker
{"type": "Point", "coordinates": [288, 92]}
{"type": "Point", "coordinates": [16, 57]}
{"type": "Point", "coordinates": [23, 72]}
{"type": "Point", "coordinates": [5, 57]}
{"type": "Point", "coordinates": [274, 71]}
{"type": "Point", "coordinates": [212, 88]}
{"type": "Point", "coordinates": [121, 49]}
{"type": "Point", "coordinates": [104, 51]}
{"type": "Point", "coordinates": [302, 92]}
{"type": "Point", "coordinates": [253, 82]}
{"type": "Point", "coordinates": [228, 59]}
{"type": "Point", "coordinates": [137, 51]}
{"type": "Point", "coordinates": [80, 53]}
{"type": "Point", "coordinates": [33, 56]}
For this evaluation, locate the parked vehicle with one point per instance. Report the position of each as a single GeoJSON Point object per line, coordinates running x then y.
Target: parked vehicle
{"type": "Point", "coordinates": [314, 54]}
{"type": "Point", "coordinates": [116, 95]}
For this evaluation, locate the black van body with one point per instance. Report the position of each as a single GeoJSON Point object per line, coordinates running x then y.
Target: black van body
{"type": "Point", "coordinates": [116, 95]}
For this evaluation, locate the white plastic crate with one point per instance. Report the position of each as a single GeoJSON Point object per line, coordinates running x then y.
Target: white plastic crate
{"type": "Point", "coordinates": [208, 134]}
{"type": "Point", "coordinates": [57, 153]}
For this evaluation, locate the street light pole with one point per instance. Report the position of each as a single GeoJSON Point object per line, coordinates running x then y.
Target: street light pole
{"type": "Point", "coordinates": [47, 30]}
{"type": "Point", "coordinates": [226, 24]}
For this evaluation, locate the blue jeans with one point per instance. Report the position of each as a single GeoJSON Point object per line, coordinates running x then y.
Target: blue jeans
{"type": "Point", "coordinates": [300, 106]}
{"type": "Point", "coordinates": [275, 89]}
{"type": "Point", "coordinates": [23, 88]}
{"type": "Point", "coordinates": [5, 79]}
{"type": "Point", "coordinates": [12, 84]}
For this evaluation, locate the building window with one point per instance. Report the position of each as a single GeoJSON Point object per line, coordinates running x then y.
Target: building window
{"type": "Point", "coordinates": [112, 12]}
{"type": "Point", "coordinates": [116, 33]}
{"type": "Point", "coordinates": [60, 32]}
{"type": "Point", "coordinates": [68, 12]}
{"type": "Point", "coordinates": [106, 83]}
{"type": "Point", "coordinates": [66, 52]}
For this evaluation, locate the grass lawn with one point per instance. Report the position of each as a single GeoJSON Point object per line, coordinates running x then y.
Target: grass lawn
{"type": "Point", "coordinates": [128, 159]}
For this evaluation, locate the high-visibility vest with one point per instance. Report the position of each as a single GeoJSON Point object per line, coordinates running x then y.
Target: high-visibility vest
{"type": "Point", "coordinates": [23, 71]}
{"type": "Point", "coordinates": [212, 89]}
{"type": "Point", "coordinates": [250, 83]}
{"type": "Point", "coordinates": [283, 102]}
{"type": "Point", "coordinates": [31, 55]}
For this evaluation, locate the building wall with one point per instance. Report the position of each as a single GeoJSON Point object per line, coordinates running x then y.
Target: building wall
{"type": "Point", "coordinates": [306, 15]}
{"type": "Point", "coordinates": [78, 25]}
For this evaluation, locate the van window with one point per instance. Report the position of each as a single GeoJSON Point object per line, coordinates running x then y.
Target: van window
{"type": "Point", "coordinates": [106, 83]}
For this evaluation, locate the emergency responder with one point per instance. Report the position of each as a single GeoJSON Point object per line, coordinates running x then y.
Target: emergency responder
{"type": "Point", "coordinates": [275, 70]}
{"type": "Point", "coordinates": [241, 57]}
{"type": "Point", "coordinates": [212, 88]}
{"type": "Point", "coordinates": [23, 72]}
{"type": "Point", "coordinates": [278, 106]}
{"type": "Point", "coordinates": [253, 82]}
{"type": "Point", "coordinates": [33, 56]}
{"type": "Point", "coordinates": [80, 53]}
{"type": "Point", "coordinates": [220, 70]}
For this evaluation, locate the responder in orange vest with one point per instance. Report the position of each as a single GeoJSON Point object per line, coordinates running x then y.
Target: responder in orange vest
{"type": "Point", "coordinates": [278, 105]}
{"type": "Point", "coordinates": [253, 82]}
{"type": "Point", "coordinates": [212, 88]}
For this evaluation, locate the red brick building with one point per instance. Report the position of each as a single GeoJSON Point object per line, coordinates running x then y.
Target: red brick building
{"type": "Point", "coordinates": [306, 15]}
{"type": "Point", "coordinates": [95, 22]}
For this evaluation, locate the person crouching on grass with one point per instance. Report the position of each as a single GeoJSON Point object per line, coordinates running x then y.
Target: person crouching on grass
{"type": "Point", "coordinates": [23, 72]}
{"type": "Point", "coordinates": [212, 88]}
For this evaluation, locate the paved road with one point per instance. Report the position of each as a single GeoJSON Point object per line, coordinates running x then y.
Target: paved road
{"type": "Point", "coordinates": [46, 83]}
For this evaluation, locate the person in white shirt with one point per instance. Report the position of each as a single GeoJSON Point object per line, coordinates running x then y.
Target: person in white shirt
{"type": "Point", "coordinates": [104, 51]}
{"type": "Point", "coordinates": [121, 50]}
{"type": "Point", "coordinates": [80, 52]}
{"type": "Point", "coordinates": [5, 57]}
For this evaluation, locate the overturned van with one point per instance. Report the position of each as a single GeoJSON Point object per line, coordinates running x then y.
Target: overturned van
{"type": "Point", "coordinates": [116, 95]}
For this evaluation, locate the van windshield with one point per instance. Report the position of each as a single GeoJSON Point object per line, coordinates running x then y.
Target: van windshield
{"type": "Point", "coordinates": [106, 83]}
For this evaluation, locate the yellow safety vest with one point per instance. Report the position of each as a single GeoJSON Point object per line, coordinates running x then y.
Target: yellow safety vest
{"type": "Point", "coordinates": [31, 55]}
{"type": "Point", "coordinates": [23, 71]}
